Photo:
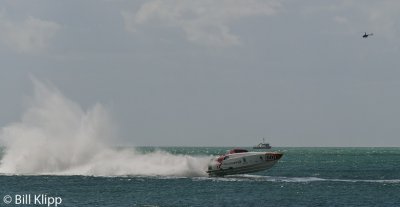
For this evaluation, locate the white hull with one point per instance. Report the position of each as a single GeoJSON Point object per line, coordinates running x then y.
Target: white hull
{"type": "Point", "coordinates": [243, 162]}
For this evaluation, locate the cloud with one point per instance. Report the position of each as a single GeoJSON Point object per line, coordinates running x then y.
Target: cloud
{"type": "Point", "coordinates": [205, 22]}
{"type": "Point", "coordinates": [32, 35]}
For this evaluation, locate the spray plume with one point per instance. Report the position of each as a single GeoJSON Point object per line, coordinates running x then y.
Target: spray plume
{"type": "Point", "coordinates": [56, 136]}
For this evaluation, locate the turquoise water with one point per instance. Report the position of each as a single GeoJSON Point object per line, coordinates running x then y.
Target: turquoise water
{"type": "Point", "coordinates": [303, 177]}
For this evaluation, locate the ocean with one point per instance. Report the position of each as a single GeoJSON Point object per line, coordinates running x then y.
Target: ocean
{"type": "Point", "coordinates": [303, 177]}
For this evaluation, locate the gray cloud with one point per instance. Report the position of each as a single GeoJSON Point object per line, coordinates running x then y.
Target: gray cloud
{"type": "Point", "coordinates": [203, 22]}
{"type": "Point", "coordinates": [31, 35]}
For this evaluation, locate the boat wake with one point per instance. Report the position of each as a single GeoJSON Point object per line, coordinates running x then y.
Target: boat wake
{"type": "Point", "coordinates": [261, 178]}
{"type": "Point", "coordinates": [57, 137]}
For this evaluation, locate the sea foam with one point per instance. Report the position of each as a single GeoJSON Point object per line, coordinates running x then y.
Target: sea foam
{"type": "Point", "coordinates": [56, 136]}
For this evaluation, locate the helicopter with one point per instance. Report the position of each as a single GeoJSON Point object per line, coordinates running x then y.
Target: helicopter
{"type": "Point", "coordinates": [366, 35]}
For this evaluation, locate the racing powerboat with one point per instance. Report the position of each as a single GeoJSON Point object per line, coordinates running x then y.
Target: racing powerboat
{"type": "Point", "coordinates": [241, 161]}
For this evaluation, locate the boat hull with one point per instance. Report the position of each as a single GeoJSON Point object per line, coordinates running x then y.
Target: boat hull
{"type": "Point", "coordinates": [242, 163]}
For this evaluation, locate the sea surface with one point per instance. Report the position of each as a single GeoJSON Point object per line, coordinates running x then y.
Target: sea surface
{"type": "Point", "coordinates": [303, 177]}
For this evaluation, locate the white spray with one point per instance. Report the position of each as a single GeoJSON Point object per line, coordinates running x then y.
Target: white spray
{"type": "Point", "coordinates": [56, 136]}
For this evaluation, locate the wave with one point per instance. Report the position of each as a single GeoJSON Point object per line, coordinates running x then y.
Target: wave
{"type": "Point", "coordinates": [57, 137]}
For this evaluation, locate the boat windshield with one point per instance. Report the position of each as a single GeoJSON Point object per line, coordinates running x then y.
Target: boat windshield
{"type": "Point", "coordinates": [233, 151]}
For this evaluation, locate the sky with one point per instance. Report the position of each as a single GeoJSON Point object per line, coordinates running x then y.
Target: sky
{"type": "Point", "coordinates": [213, 72]}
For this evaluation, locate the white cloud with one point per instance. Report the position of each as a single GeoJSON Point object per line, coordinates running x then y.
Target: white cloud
{"type": "Point", "coordinates": [204, 22]}
{"type": "Point", "coordinates": [29, 36]}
